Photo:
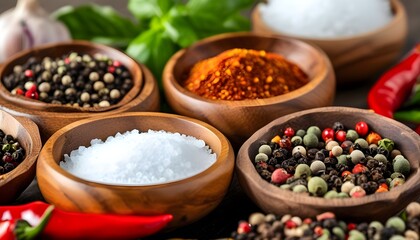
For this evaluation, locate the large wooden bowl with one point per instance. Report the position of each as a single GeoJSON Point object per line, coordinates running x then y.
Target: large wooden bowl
{"type": "Point", "coordinates": [240, 119]}
{"type": "Point", "coordinates": [188, 200]}
{"type": "Point", "coordinates": [26, 132]}
{"type": "Point", "coordinates": [144, 96]}
{"type": "Point", "coordinates": [378, 206]}
{"type": "Point", "coordinates": [358, 57]}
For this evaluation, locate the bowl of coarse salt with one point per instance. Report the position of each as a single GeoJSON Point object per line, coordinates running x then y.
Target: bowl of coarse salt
{"type": "Point", "coordinates": [137, 163]}
{"type": "Point", "coordinates": [361, 38]}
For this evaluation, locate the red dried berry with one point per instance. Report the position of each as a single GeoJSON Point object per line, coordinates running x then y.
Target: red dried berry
{"type": "Point", "coordinates": [290, 132]}
{"type": "Point", "coordinates": [29, 73]}
{"type": "Point", "coordinates": [340, 135]}
{"type": "Point", "coordinates": [20, 92]}
{"type": "Point", "coordinates": [359, 168]}
{"type": "Point", "coordinates": [116, 63]}
{"type": "Point", "coordinates": [328, 134]}
{"type": "Point", "coordinates": [290, 224]}
{"type": "Point", "coordinates": [111, 69]}
{"type": "Point", "coordinates": [279, 176]}
{"type": "Point", "coordinates": [362, 128]}
{"type": "Point", "coordinates": [351, 226]}
{"type": "Point", "coordinates": [67, 60]}
{"type": "Point", "coordinates": [244, 227]}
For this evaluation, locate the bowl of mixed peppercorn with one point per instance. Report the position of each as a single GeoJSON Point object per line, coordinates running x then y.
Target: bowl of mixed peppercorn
{"type": "Point", "coordinates": [57, 84]}
{"type": "Point", "coordinates": [238, 82]}
{"type": "Point", "coordinates": [20, 145]}
{"type": "Point", "coordinates": [353, 162]}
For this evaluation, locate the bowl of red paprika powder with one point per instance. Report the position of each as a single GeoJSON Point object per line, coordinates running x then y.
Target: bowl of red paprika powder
{"type": "Point", "coordinates": [361, 204]}
{"type": "Point", "coordinates": [247, 80]}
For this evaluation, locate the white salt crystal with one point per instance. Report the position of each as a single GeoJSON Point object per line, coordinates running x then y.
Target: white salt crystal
{"type": "Point", "coordinates": [136, 158]}
{"type": "Point", "coordinates": [326, 18]}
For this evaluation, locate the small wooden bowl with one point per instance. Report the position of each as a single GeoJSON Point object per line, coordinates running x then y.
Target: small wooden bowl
{"type": "Point", "coordinates": [57, 50]}
{"type": "Point", "coordinates": [378, 206]}
{"type": "Point", "coordinates": [14, 182]}
{"type": "Point", "coordinates": [188, 200]}
{"type": "Point", "coordinates": [240, 119]}
{"type": "Point", "coordinates": [358, 57]}
{"type": "Point", "coordinates": [49, 121]}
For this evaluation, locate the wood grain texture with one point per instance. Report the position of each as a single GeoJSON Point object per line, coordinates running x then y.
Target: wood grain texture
{"type": "Point", "coordinates": [240, 119]}
{"type": "Point", "coordinates": [357, 57]}
{"type": "Point", "coordinates": [188, 200]}
{"type": "Point", "coordinates": [49, 122]}
{"type": "Point", "coordinates": [13, 183]}
{"type": "Point", "coordinates": [377, 206]}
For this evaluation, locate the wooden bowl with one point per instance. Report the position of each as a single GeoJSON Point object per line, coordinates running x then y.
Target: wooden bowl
{"type": "Point", "coordinates": [57, 50]}
{"type": "Point", "coordinates": [14, 182]}
{"type": "Point", "coordinates": [240, 119]}
{"type": "Point", "coordinates": [358, 57]}
{"type": "Point", "coordinates": [188, 199]}
{"type": "Point", "coordinates": [378, 206]}
{"type": "Point", "coordinates": [49, 119]}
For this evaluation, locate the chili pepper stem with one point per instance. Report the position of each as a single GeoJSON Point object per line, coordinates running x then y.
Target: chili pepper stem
{"type": "Point", "coordinates": [24, 231]}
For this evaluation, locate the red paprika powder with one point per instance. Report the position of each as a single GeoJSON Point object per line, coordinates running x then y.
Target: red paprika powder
{"type": "Point", "coordinates": [239, 74]}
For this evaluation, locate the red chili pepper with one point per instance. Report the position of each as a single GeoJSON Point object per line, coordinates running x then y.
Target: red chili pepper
{"type": "Point", "coordinates": [417, 129]}
{"type": "Point", "coordinates": [392, 88]}
{"type": "Point", "coordinates": [74, 225]}
{"type": "Point", "coordinates": [12, 228]}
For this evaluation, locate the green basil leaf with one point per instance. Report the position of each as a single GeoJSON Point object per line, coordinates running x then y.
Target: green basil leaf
{"type": "Point", "coordinates": [237, 22]}
{"type": "Point", "coordinates": [179, 29]}
{"type": "Point", "coordinates": [220, 8]}
{"type": "Point", "coordinates": [92, 22]}
{"type": "Point", "coordinates": [153, 48]}
{"type": "Point", "coordinates": [147, 9]}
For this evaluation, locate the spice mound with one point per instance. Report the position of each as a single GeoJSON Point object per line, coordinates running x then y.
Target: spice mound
{"type": "Point", "coordinates": [336, 162]}
{"type": "Point", "coordinates": [76, 79]}
{"type": "Point", "coordinates": [11, 153]}
{"type": "Point", "coordinates": [140, 158]}
{"type": "Point", "coordinates": [328, 226]}
{"type": "Point", "coordinates": [240, 74]}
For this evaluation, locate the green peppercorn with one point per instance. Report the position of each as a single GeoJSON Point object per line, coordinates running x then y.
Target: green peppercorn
{"type": "Point", "coordinates": [317, 186]}
{"type": "Point", "coordinates": [339, 233]}
{"type": "Point", "coordinates": [300, 149]}
{"type": "Point", "coordinates": [387, 144]}
{"type": "Point", "coordinates": [300, 133]}
{"type": "Point", "coordinates": [356, 235]}
{"type": "Point", "coordinates": [362, 143]}
{"type": "Point", "coordinates": [401, 165]}
{"type": "Point", "coordinates": [381, 158]}
{"type": "Point", "coordinates": [317, 166]}
{"type": "Point", "coordinates": [310, 140]}
{"type": "Point", "coordinates": [296, 140]}
{"type": "Point", "coordinates": [300, 189]}
{"type": "Point", "coordinates": [396, 223]}
{"type": "Point", "coordinates": [343, 195]}
{"type": "Point", "coordinates": [331, 194]}
{"type": "Point", "coordinates": [351, 135]}
{"type": "Point", "coordinates": [356, 156]}
{"type": "Point", "coordinates": [302, 171]}
{"type": "Point", "coordinates": [314, 130]}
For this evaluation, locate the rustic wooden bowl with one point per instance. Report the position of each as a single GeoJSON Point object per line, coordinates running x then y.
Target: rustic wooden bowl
{"type": "Point", "coordinates": [50, 121]}
{"type": "Point", "coordinates": [14, 182]}
{"type": "Point", "coordinates": [55, 50]}
{"type": "Point", "coordinates": [240, 119]}
{"type": "Point", "coordinates": [358, 57]}
{"type": "Point", "coordinates": [188, 199]}
{"type": "Point", "coordinates": [378, 206]}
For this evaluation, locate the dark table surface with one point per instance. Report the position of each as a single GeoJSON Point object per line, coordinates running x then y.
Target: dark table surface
{"type": "Point", "coordinates": [236, 205]}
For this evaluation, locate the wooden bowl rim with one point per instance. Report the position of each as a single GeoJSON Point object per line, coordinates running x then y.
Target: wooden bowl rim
{"type": "Point", "coordinates": [138, 82]}
{"type": "Point", "coordinates": [397, 8]}
{"type": "Point", "coordinates": [147, 89]}
{"type": "Point", "coordinates": [245, 166]}
{"type": "Point", "coordinates": [221, 158]}
{"type": "Point", "coordinates": [31, 154]}
{"type": "Point", "coordinates": [169, 78]}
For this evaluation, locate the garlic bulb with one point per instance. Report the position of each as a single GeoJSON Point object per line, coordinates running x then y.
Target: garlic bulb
{"type": "Point", "coordinates": [26, 26]}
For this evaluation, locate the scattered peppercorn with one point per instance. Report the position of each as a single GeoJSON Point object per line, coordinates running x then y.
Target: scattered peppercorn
{"type": "Point", "coordinates": [333, 163]}
{"type": "Point", "coordinates": [239, 74]}
{"type": "Point", "coordinates": [328, 226]}
{"type": "Point", "coordinates": [11, 153]}
{"type": "Point", "coordinates": [73, 80]}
